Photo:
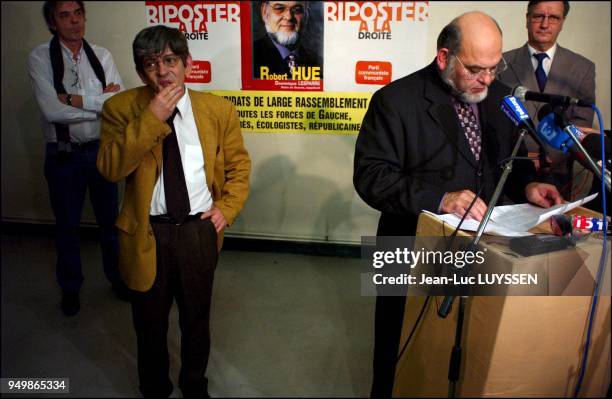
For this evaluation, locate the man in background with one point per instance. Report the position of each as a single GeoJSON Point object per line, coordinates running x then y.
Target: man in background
{"type": "Point", "coordinates": [433, 141]}
{"type": "Point", "coordinates": [187, 177]}
{"type": "Point", "coordinates": [282, 49]}
{"type": "Point", "coordinates": [71, 80]}
{"type": "Point", "coordinates": [542, 65]}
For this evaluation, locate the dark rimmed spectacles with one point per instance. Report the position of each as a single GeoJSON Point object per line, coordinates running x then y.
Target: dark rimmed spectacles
{"type": "Point", "coordinates": [539, 18]}
{"type": "Point", "coordinates": [169, 61]}
{"type": "Point", "coordinates": [474, 72]}
{"type": "Point", "coordinates": [280, 9]}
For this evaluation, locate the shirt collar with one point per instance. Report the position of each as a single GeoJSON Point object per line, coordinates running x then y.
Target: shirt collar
{"type": "Point", "coordinates": [284, 51]}
{"type": "Point", "coordinates": [67, 52]}
{"type": "Point", "coordinates": [550, 52]}
{"type": "Point", "coordinates": [184, 104]}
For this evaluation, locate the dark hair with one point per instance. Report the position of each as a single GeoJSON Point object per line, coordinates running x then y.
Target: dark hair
{"type": "Point", "coordinates": [153, 40]}
{"type": "Point", "coordinates": [450, 36]}
{"type": "Point", "coordinates": [566, 7]}
{"type": "Point", "coordinates": [48, 10]}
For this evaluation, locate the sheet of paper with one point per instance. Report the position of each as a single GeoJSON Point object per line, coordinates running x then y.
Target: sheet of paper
{"type": "Point", "coordinates": [513, 220]}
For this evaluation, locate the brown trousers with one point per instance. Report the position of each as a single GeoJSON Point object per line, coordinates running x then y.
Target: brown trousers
{"type": "Point", "coordinates": [186, 260]}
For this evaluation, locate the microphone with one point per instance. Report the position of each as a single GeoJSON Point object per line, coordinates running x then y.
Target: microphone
{"type": "Point", "coordinates": [592, 144]}
{"type": "Point", "coordinates": [525, 94]}
{"type": "Point", "coordinates": [553, 135]}
{"type": "Point", "coordinates": [517, 113]}
{"type": "Point", "coordinates": [559, 138]}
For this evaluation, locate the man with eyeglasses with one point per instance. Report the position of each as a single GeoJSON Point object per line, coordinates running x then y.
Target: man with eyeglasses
{"type": "Point", "coordinates": [542, 65]}
{"type": "Point", "coordinates": [71, 79]}
{"type": "Point", "coordinates": [433, 140]}
{"type": "Point", "coordinates": [282, 52]}
{"type": "Point", "coordinates": [187, 176]}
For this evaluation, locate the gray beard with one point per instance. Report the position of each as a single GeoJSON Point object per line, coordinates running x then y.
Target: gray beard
{"type": "Point", "coordinates": [463, 96]}
{"type": "Point", "coordinates": [288, 40]}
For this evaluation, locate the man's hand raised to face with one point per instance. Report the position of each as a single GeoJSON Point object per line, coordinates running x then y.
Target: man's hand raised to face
{"type": "Point", "coordinates": [164, 102]}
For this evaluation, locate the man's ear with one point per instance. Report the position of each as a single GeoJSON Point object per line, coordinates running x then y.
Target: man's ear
{"type": "Point", "coordinates": [527, 20]}
{"type": "Point", "coordinates": [188, 65]}
{"type": "Point", "coordinates": [142, 77]}
{"type": "Point", "coordinates": [443, 58]}
{"type": "Point", "coordinates": [264, 15]}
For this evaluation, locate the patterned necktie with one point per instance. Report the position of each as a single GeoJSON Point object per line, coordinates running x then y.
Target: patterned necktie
{"type": "Point", "coordinates": [470, 126]}
{"type": "Point", "coordinates": [291, 61]}
{"type": "Point", "coordinates": [175, 188]}
{"type": "Point", "coordinates": [539, 72]}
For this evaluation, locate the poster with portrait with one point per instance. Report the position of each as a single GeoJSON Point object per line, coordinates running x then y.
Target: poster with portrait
{"type": "Point", "coordinates": [241, 51]}
{"type": "Point", "coordinates": [282, 45]}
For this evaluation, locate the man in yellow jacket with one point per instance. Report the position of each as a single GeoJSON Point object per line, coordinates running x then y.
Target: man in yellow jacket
{"type": "Point", "coordinates": [186, 171]}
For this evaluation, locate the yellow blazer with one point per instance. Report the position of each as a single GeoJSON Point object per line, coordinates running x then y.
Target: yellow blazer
{"type": "Point", "coordinates": [131, 148]}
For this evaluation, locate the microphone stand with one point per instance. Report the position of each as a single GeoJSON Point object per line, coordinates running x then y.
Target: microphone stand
{"type": "Point", "coordinates": [455, 359]}
{"type": "Point", "coordinates": [562, 121]}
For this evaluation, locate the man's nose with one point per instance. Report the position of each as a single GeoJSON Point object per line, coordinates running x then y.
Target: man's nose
{"type": "Point", "coordinates": [288, 13]}
{"type": "Point", "coordinates": [162, 69]}
{"type": "Point", "coordinates": [486, 78]}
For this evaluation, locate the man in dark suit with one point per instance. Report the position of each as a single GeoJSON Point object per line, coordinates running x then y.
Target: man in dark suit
{"type": "Point", "coordinates": [561, 72]}
{"type": "Point", "coordinates": [282, 49]}
{"type": "Point", "coordinates": [432, 141]}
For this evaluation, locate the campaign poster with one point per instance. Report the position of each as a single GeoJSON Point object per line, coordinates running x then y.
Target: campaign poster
{"type": "Point", "coordinates": [369, 44]}
{"type": "Point", "coordinates": [270, 57]}
{"type": "Point", "coordinates": [282, 45]}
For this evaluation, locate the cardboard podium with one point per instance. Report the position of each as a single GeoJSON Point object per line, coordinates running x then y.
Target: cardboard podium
{"type": "Point", "coordinates": [513, 346]}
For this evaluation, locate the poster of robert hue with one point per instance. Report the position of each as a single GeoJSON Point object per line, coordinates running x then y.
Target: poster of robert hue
{"type": "Point", "coordinates": [282, 45]}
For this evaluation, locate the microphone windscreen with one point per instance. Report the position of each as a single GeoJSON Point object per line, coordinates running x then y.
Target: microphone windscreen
{"type": "Point", "coordinates": [592, 145]}
{"type": "Point", "coordinates": [544, 111]}
{"type": "Point", "coordinates": [519, 92]}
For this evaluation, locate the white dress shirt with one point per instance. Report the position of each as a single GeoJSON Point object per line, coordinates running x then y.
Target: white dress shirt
{"type": "Point", "coordinates": [547, 62]}
{"type": "Point", "coordinates": [192, 160]}
{"type": "Point", "coordinates": [84, 123]}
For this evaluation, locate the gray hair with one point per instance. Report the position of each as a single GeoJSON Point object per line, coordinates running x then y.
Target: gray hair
{"type": "Point", "coordinates": [153, 40]}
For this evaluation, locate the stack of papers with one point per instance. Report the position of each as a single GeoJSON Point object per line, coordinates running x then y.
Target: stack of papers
{"type": "Point", "coordinates": [513, 220]}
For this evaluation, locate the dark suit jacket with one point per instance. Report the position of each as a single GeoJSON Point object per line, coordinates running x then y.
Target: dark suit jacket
{"type": "Point", "coordinates": [411, 150]}
{"type": "Point", "coordinates": [570, 75]}
{"type": "Point", "coordinates": [266, 54]}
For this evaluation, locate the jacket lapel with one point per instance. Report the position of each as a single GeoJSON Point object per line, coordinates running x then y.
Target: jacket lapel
{"type": "Point", "coordinates": [206, 126]}
{"type": "Point", "coordinates": [526, 77]}
{"type": "Point", "coordinates": [560, 68]}
{"type": "Point", "coordinates": [142, 101]}
{"type": "Point", "coordinates": [443, 113]}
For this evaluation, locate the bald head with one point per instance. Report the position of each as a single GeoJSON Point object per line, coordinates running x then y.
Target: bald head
{"type": "Point", "coordinates": [480, 35]}
{"type": "Point", "coordinates": [467, 46]}
{"type": "Point", "coordinates": [468, 26]}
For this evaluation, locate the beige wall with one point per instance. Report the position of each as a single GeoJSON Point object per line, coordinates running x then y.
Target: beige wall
{"type": "Point", "coordinates": [301, 184]}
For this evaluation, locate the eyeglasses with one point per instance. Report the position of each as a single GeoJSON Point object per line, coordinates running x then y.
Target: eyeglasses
{"type": "Point", "coordinates": [539, 18]}
{"type": "Point", "coordinates": [279, 9]}
{"type": "Point", "coordinates": [474, 72]}
{"type": "Point", "coordinates": [169, 61]}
